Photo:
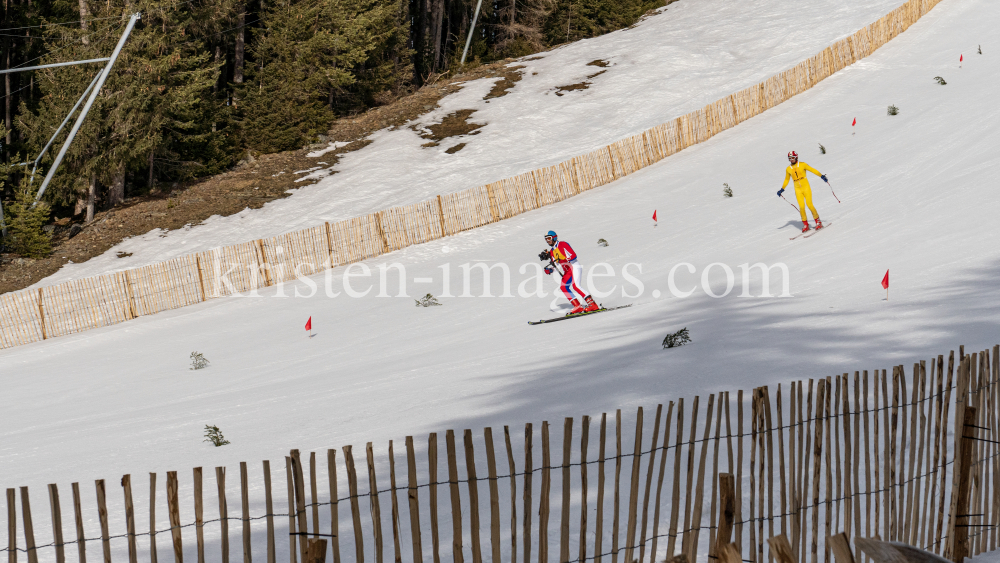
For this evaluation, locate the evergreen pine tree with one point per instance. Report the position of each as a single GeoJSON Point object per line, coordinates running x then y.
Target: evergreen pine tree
{"type": "Point", "coordinates": [151, 109]}
{"type": "Point", "coordinates": [4, 172]}
{"type": "Point", "coordinates": [24, 224]}
{"type": "Point", "coordinates": [317, 57]}
{"type": "Point", "coordinates": [388, 71]}
{"type": "Point", "coordinates": [17, 48]}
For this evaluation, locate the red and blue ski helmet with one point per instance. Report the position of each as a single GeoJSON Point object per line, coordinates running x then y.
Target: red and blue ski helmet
{"type": "Point", "coordinates": [552, 234]}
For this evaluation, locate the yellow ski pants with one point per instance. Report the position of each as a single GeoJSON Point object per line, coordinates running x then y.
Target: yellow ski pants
{"type": "Point", "coordinates": [804, 195]}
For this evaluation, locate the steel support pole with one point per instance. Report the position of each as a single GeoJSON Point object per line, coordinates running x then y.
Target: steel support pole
{"type": "Point", "coordinates": [86, 108]}
{"type": "Point", "coordinates": [65, 121]}
{"type": "Point", "coordinates": [53, 65]}
{"type": "Point", "coordinates": [468, 41]}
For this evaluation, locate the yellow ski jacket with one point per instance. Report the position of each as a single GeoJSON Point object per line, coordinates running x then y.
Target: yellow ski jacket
{"type": "Point", "coordinates": [797, 172]}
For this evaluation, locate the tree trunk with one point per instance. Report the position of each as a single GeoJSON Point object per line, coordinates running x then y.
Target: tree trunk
{"type": "Point", "coordinates": [569, 20]}
{"type": "Point", "coordinates": [437, 18]}
{"type": "Point", "coordinates": [116, 193]}
{"type": "Point", "coordinates": [395, 51]}
{"type": "Point", "coordinates": [91, 198]}
{"type": "Point", "coordinates": [7, 100]}
{"type": "Point", "coordinates": [418, 38]}
{"type": "Point", "coordinates": [238, 64]}
{"type": "Point", "coordinates": [505, 23]}
{"type": "Point", "coordinates": [218, 55]}
{"type": "Point", "coordinates": [80, 207]}
{"type": "Point", "coordinates": [218, 78]}
{"type": "Point", "coordinates": [150, 181]}
{"type": "Point", "coordinates": [84, 16]}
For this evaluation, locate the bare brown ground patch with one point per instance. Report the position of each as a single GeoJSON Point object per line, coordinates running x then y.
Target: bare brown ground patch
{"type": "Point", "coordinates": [453, 125]}
{"type": "Point", "coordinates": [560, 90]}
{"type": "Point", "coordinates": [511, 76]}
{"type": "Point", "coordinates": [571, 87]}
{"type": "Point", "coordinates": [456, 148]}
{"type": "Point", "coordinates": [250, 184]}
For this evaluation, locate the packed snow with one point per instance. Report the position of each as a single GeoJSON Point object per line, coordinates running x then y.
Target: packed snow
{"type": "Point", "coordinates": [688, 55]}
{"type": "Point", "coordinates": [918, 200]}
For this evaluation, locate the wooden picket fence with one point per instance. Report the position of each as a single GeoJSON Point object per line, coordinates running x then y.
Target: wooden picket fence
{"type": "Point", "coordinates": [863, 456]}
{"type": "Point", "coordinates": [37, 314]}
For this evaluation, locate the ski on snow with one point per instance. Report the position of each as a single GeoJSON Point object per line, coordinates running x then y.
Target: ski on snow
{"type": "Point", "coordinates": [601, 310]}
{"type": "Point", "coordinates": [808, 234]}
{"type": "Point", "coordinates": [825, 227]}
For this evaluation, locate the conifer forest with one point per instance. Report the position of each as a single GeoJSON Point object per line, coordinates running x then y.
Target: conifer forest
{"type": "Point", "coordinates": [199, 83]}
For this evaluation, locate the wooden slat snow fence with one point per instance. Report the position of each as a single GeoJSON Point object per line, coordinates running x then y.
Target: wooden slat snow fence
{"type": "Point", "coordinates": [870, 455]}
{"type": "Point", "coordinates": [36, 314]}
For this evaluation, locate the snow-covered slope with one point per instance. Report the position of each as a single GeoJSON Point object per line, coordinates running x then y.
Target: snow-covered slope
{"type": "Point", "coordinates": [918, 192]}
{"type": "Point", "coordinates": [688, 55]}
{"type": "Point", "coordinates": [919, 199]}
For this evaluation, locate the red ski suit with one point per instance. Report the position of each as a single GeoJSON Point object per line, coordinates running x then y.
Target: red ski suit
{"type": "Point", "coordinates": [565, 257]}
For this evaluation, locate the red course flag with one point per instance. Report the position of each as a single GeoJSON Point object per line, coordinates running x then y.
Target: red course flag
{"type": "Point", "coordinates": [855, 122]}
{"type": "Point", "coordinates": [309, 323]}
{"type": "Point", "coordinates": [654, 215]}
{"type": "Point", "coordinates": [960, 57]}
{"type": "Point", "coordinates": [885, 280]}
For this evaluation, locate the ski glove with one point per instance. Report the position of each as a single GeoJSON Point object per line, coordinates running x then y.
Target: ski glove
{"type": "Point", "coordinates": [548, 271]}
{"type": "Point", "coordinates": [823, 177]}
{"type": "Point", "coordinates": [781, 191]}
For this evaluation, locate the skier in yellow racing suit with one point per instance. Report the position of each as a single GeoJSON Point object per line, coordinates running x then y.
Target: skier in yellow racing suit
{"type": "Point", "coordinates": [803, 193]}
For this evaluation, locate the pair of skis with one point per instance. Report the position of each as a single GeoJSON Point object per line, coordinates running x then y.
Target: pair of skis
{"type": "Point", "coordinates": [807, 234]}
{"type": "Point", "coordinates": [583, 314]}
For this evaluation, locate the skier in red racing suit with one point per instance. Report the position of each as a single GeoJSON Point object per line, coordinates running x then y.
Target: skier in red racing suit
{"type": "Point", "coordinates": [562, 254]}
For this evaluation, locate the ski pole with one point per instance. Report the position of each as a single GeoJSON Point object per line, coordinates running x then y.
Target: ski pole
{"type": "Point", "coordinates": [552, 264]}
{"type": "Point", "coordinates": [556, 268]}
{"type": "Point", "coordinates": [832, 192]}
{"type": "Point", "coordinates": [790, 203]}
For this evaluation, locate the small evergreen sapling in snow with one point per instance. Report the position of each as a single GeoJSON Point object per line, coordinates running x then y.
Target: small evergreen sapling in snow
{"type": "Point", "coordinates": [602, 242]}
{"type": "Point", "coordinates": [980, 49]}
{"type": "Point", "coordinates": [214, 435]}
{"type": "Point", "coordinates": [198, 361]}
{"type": "Point", "coordinates": [727, 191]}
{"type": "Point", "coordinates": [940, 80]}
{"type": "Point", "coordinates": [822, 149]}
{"type": "Point", "coordinates": [427, 301]}
{"type": "Point", "coordinates": [679, 338]}
{"type": "Point", "coordinates": [893, 110]}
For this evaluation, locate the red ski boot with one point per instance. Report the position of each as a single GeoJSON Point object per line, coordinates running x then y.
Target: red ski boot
{"type": "Point", "coordinates": [805, 226]}
{"type": "Point", "coordinates": [577, 308]}
{"type": "Point", "coordinates": [591, 306]}
{"type": "Point", "coordinates": [819, 224]}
